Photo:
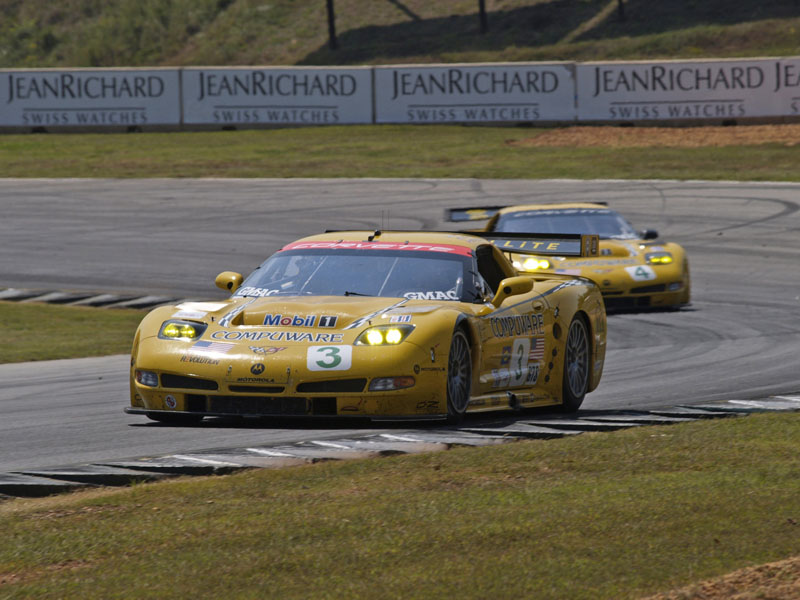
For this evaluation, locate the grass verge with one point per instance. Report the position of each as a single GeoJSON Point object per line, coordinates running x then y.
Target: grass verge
{"type": "Point", "coordinates": [612, 515]}
{"type": "Point", "coordinates": [379, 151]}
{"type": "Point", "coordinates": [45, 332]}
{"type": "Point", "coordinates": [82, 33]}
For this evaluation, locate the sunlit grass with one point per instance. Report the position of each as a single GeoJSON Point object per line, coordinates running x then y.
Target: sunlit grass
{"type": "Point", "coordinates": [377, 151]}
{"type": "Point", "coordinates": [612, 515]}
{"type": "Point", "coordinates": [44, 332]}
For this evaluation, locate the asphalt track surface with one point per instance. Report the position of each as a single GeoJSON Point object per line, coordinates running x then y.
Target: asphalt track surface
{"type": "Point", "coordinates": [740, 339]}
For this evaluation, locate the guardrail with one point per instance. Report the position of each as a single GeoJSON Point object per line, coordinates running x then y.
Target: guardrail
{"type": "Point", "coordinates": [667, 92]}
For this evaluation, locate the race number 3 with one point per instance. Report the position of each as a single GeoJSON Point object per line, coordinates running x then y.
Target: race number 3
{"type": "Point", "coordinates": [329, 358]}
{"type": "Point", "coordinates": [519, 360]}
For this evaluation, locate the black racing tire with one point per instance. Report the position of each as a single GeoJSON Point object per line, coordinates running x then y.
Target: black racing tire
{"type": "Point", "coordinates": [687, 295]}
{"type": "Point", "coordinates": [577, 355]}
{"type": "Point", "coordinates": [459, 377]}
{"type": "Point", "coordinates": [174, 418]}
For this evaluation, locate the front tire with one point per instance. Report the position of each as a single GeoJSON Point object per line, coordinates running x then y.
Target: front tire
{"type": "Point", "coordinates": [687, 295]}
{"type": "Point", "coordinates": [575, 382]}
{"type": "Point", "coordinates": [459, 377]}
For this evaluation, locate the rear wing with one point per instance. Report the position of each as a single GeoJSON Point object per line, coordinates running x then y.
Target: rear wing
{"type": "Point", "coordinates": [484, 213]}
{"type": "Point", "coordinates": [478, 213]}
{"type": "Point", "coordinates": [545, 244]}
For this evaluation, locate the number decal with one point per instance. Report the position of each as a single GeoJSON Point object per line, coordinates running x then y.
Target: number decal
{"type": "Point", "coordinates": [517, 372]}
{"type": "Point", "coordinates": [329, 358]}
{"type": "Point", "coordinates": [333, 354]}
{"type": "Point", "coordinates": [641, 273]}
{"type": "Point", "coordinates": [533, 374]}
{"type": "Point", "coordinates": [522, 347]}
{"type": "Point", "coordinates": [519, 356]}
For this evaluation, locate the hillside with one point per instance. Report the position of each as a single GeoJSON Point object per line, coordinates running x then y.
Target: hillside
{"type": "Point", "coordinates": [94, 33]}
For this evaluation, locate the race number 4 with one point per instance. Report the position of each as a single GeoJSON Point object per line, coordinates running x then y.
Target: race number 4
{"type": "Point", "coordinates": [641, 273]}
{"type": "Point", "coordinates": [329, 358]}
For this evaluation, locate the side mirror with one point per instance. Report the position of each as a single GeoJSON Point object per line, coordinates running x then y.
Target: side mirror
{"type": "Point", "coordinates": [649, 234]}
{"type": "Point", "coordinates": [229, 281]}
{"type": "Point", "coordinates": [512, 286]}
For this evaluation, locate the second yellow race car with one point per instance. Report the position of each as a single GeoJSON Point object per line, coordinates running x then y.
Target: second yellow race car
{"type": "Point", "coordinates": [386, 325]}
{"type": "Point", "coordinates": [633, 269]}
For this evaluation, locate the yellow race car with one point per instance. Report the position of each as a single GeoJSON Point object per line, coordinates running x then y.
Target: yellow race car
{"type": "Point", "coordinates": [633, 269]}
{"type": "Point", "coordinates": [386, 325]}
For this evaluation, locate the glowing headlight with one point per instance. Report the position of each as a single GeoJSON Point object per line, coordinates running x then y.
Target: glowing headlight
{"type": "Point", "coordinates": [384, 335]}
{"type": "Point", "coordinates": [658, 258]}
{"type": "Point", "coordinates": [374, 337]}
{"type": "Point", "coordinates": [181, 330]}
{"type": "Point", "coordinates": [532, 264]}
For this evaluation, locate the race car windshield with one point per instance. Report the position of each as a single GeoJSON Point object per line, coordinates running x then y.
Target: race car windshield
{"type": "Point", "coordinates": [405, 274]}
{"type": "Point", "coordinates": [605, 223]}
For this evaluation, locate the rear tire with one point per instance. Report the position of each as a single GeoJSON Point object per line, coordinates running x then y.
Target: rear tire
{"type": "Point", "coordinates": [575, 382]}
{"type": "Point", "coordinates": [459, 377]}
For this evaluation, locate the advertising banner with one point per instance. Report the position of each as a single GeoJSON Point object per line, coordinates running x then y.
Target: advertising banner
{"type": "Point", "coordinates": [787, 85]}
{"type": "Point", "coordinates": [686, 90]}
{"type": "Point", "coordinates": [253, 96]}
{"type": "Point", "coordinates": [481, 93]}
{"type": "Point", "coordinates": [91, 98]}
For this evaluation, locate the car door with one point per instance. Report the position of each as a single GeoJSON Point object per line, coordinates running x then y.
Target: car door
{"type": "Point", "coordinates": [512, 335]}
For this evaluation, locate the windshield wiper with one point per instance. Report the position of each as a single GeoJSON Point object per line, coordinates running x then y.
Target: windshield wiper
{"type": "Point", "coordinates": [346, 293]}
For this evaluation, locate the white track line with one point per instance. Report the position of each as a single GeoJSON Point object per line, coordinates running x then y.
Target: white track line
{"type": "Point", "coordinates": [207, 461]}
{"type": "Point", "coordinates": [331, 445]}
{"type": "Point", "coordinates": [789, 398]}
{"type": "Point", "coordinates": [398, 438]}
{"type": "Point", "coordinates": [270, 452]}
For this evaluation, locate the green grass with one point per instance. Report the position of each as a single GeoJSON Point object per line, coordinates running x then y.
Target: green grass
{"type": "Point", "coordinates": [46, 332]}
{"type": "Point", "coordinates": [612, 515]}
{"type": "Point", "coordinates": [615, 515]}
{"type": "Point", "coordinates": [377, 151]}
{"type": "Point", "coordinates": [90, 33]}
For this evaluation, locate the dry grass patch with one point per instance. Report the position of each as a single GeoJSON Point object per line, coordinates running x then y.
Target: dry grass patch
{"type": "Point", "coordinates": [672, 137]}
{"type": "Point", "coordinates": [775, 581]}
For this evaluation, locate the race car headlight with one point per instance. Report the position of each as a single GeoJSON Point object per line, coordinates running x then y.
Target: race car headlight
{"type": "Point", "coordinates": [384, 335]}
{"type": "Point", "coordinates": [147, 378]}
{"type": "Point", "coordinates": [658, 258]}
{"type": "Point", "coordinates": [181, 330]}
{"type": "Point", "coordinates": [386, 384]}
{"type": "Point", "coordinates": [532, 264]}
